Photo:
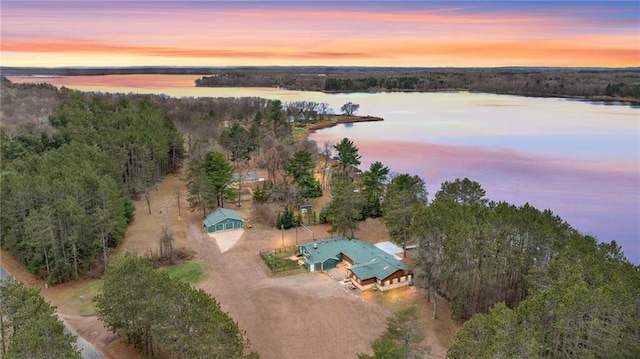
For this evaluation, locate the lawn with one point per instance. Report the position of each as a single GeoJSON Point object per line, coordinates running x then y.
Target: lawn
{"type": "Point", "coordinates": [280, 262]}
{"type": "Point", "coordinates": [190, 272]}
{"type": "Point", "coordinates": [78, 299]}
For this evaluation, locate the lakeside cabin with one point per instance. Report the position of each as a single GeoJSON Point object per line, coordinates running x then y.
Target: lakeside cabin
{"type": "Point", "coordinates": [369, 267]}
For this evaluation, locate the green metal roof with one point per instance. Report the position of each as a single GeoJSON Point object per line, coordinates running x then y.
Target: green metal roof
{"type": "Point", "coordinates": [378, 267]}
{"type": "Point", "coordinates": [369, 261]}
{"type": "Point", "coordinates": [220, 215]}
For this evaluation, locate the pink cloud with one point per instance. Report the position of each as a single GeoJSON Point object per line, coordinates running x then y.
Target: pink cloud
{"type": "Point", "coordinates": [408, 35]}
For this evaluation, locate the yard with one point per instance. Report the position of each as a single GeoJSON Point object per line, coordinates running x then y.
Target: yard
{"type": "Point", "coordinates": [285, 316]}
{"type": "Point", "coordinates": [282, 259]}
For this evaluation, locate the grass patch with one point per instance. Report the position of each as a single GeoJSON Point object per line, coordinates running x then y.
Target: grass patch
{"type": "Point", "coordinates": [280, 262]}
{"type": "Point", "coordinates": [393, 300]}
{"type": "Point", "coordinates": [190, 272]}
{"type": "Point", "coordinates": [77, 299]}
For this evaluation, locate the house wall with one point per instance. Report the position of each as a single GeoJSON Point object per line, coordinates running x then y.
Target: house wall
{"type": "Point", "coordinates": [398, 279]}
{"type": "Point", "coordinates": [363, 287]}
{"type": "Point", "coordinates": [329, 263]}
{"type": "Point", "coordinates": [395, 276]}
{"type": "Point", "coordinates": [315, 267]}
{"type": "Point", "coordinates": [392, 286]}
{"type": "Point", "coordinates": [360, 282]}
{"type": "Point", "coordinates": [227, 224]}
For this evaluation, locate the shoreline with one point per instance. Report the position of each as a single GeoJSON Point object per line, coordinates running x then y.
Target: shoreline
{"type": "Point", "coordinates": [335, 120]}
{"type": "Point", "coordinates": [631, 101]}
{"type": "Point", "coordinates": [627, 100]}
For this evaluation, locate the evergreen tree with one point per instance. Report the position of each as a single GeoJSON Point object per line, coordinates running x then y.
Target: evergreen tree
{"type": "Point", "coordinates": [403, 338]}
{"type": "Point", "coordinates": [30, 328]}
{"type": "Point", "coordinates": [405, 194]}
{"type": "Point", "coordinates": [158, 314]}
{"type": "Point", "coordinates": [347, 159]}
{"type": "Point", "coordinates": [219, 174]}
{"type": "Point", "coordinates": [374, 181]}
{"type": "Point", "coordinates": [345, 208]}
{"type": "Point", "coordinates": [300, 168]}
{"type": "Point", "coordinates": [586, 308]}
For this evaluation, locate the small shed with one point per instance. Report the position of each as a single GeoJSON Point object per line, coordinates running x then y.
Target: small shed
{"type": "Point", "coordinates": [222, 219]}
{"type": "Point", "coordinates": [249, 177]}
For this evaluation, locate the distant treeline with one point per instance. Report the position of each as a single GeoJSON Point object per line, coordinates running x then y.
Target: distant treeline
{"type": "Point", "coordinates": [583, 83]}
{"type": "Point", "coordinates": [597, 83]}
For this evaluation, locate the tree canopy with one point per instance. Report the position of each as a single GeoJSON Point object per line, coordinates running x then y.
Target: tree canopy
{"type": "Point", "coordinates": [158, 314]}
{"type": "Point", "coordinates": [374, 182]}
{"type": "Point", "coordinates": [404, 196]}
{"type": "Point", "coordinates": [65, 195]}
{"type": "Point", "coordinates": [208, 181]}
{"type": "Point", "coordinates": [300, 168]}
{"type": "Point", "coordinates": [29, 327]}
{"type": "Point", "coordinates": [347, 159]}
{"type": "Point", "coordinates": [345, 209]}
{"type": "Point", "coordinates": [403, 338]}
{"type": "Point", "coordinates": [584, 306]}
{"type": "Point", "coordinates": [350, 108]}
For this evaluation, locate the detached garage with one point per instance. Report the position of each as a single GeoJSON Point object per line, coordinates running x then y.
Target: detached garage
{"type": "Point", "coordinates": [222, 219]}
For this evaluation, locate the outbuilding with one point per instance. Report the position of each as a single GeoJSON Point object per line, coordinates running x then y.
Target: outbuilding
{"type": "Point", "coordinates": [222, 219]}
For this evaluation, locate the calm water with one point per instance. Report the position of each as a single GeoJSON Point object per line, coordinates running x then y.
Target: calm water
{"type": "Point", "coordinates": [579, 159]}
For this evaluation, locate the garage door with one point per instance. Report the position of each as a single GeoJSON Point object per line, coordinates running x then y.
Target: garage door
{"type": "Point", "coordinates": [229, 225]}
{"type": "Point", "coordinates": [219, 227]}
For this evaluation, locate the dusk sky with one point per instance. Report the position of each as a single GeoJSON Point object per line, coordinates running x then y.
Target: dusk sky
{"type": "Point", "coordinates": [353, 33]}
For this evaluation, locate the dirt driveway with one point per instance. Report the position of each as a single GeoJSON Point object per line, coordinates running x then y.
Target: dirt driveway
{"type": "Point", "coordinates": [226, 239]}
{"type": "Point", "coordinates": [303, 315]}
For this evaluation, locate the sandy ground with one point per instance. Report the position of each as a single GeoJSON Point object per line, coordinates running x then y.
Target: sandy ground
{"type": "Point", "coordinates": [227, 239]}
{"type": "Point", "coordinates": [310, 314]}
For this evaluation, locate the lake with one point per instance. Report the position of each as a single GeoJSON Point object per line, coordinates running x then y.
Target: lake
{"type": "Point", "coordinates": [580, 159]}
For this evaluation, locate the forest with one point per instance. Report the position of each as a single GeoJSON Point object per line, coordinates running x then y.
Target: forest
{"type": "Point", "coordinates": [525, 282]}
{"type": "Point", "coordinates": [66, 195]}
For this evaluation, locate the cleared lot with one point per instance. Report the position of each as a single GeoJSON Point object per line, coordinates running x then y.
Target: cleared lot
{"type": "Point", "coordinates": [307, 314]}
{"type": "Point", "coordinates": [292, 316]}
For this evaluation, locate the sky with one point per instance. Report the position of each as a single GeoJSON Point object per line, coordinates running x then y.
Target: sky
{"type": "Point", "coordinates": [333, 33]}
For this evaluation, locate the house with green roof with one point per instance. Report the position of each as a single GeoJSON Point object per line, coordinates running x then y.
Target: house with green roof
{"type": "Point", "coordinates": [368, 266]}
{"type": "Point", "coordinates": [222, 219]}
